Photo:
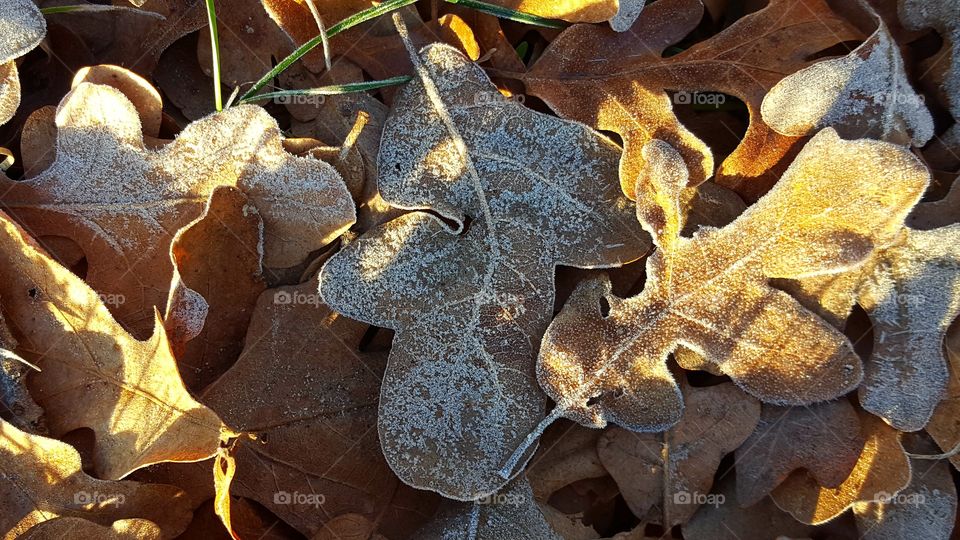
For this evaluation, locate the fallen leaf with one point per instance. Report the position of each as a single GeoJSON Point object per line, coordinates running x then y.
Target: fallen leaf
{"type": "Point", "coordinates": [217, 279]}
{"type": "Point", "coordinates": [316, 453]}
{"type": "Point", "coordinates": [823, 439]}
{"type": "Point", "coordinates": [832, 208]}
{"type": "Point", "coordinates": [94, 374]}
{"type": "Point", "coordinates": [620, 81]}
{"type": "Point", "coordinates": [619, 13]}
{"type": "Point", "coordinates": [568, 453]}
{"type": "Point", "coordinates": [509, 514]}
{"type": "Point", "coordinates": [863, 94]}
{"type": "Point", "coordinates": [912, 298]}
{"type": "Point", "coordinates": [665, 477]}
{"type": "Point", "coordinates": [122, 202]}
{"type": "Point", "coordinates": [43, 481]}
{"type": "Point", "coordinates": [945, 66]}
{"type": "Point", "coordinates": [944, 424]}
{"type": "Point", "coordinates": [881, 471]}
{"type": "Point", "coordinates": [469, 301]}
{"type": "Point", "coordinates": [69, 527]}
{"type": "Point", "coordinates": [22, 27]}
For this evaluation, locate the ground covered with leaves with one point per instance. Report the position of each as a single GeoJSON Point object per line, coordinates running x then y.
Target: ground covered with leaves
{"type": "Point", "coordinates": [504, 270]}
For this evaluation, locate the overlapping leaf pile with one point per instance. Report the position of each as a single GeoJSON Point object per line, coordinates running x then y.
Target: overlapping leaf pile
{"type": "Point", "coordinates": [596, 269]}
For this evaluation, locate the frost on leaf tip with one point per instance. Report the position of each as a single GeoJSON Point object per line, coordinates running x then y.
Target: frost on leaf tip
{"type": "Point", "coordinates": [527, 192]}
{"type": "Point", "coordinates": [22, 27]}
{"type": "Point", "coordinates": [837, 202]}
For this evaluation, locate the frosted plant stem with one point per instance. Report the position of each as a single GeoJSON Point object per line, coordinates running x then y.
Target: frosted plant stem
{"type": "Point", "coordinates": [10, 355]}
{"type": "Point", "coordinates": [474, 521]}
{"type": "Point", "coordinates": [507, 470]}
{"type": "Point", "coordinates": [947, 455]}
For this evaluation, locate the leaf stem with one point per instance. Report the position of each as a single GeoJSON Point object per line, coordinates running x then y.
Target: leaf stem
{"type": "Point", "coordinates": [507, 470]}
{"type": "Point", "coordinates": [215, 52]}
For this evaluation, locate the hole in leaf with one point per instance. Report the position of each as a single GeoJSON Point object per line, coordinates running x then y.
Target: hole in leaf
{"type": "Point", "coordinates": [604, 307]}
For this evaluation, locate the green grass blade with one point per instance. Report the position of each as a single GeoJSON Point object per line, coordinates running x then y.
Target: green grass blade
{"type": "Point", "coordinates": [339, 89]}
{"type": "Point", "coordinates": [506, 13]}
{"type": "Point", "coordinates": [215, 51]}
{"type": "Point", "coordinates": [346, 24]}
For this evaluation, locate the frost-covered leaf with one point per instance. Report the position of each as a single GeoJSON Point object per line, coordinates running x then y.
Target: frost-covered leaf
{"type": "Point", "coordinates": [94, 374]}
{"type": "Point", "coordinates": [823, 439]}
{"type": "Point", "coordinates": [710, 293]}
{"type": "Point", "coordinates": [717, 420]}
{"type": "Point", "coordinates": [525, 192]}
{"type": "Point", "coordinates": [912, 297]}
{"type": "Point", "coordinates": [22, 27]}
{"type": "Point", "coordinates": [882, 470]}
{"type": "Point", "coordinates": [217, 279]}
{"type": "Point", "coordinates": [619, 81]}
{"type": "Point", "coordinates": [42, 480]}
{"type": "Point", "coordinates": [863, 94]}
{"type": "Point", "coordinates": [944, 66]}
{"type": "Point", "coordinates": [310, 395]}
{"type": "Point", "coordinates": [122, 202]}
{"type": "Point", "coordinates": [510, 514]}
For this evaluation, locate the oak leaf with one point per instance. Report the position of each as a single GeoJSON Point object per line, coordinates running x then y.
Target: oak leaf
{"type": "Point", "coordinates": [525, 192]}
{"type": "Point", "coordinates": [662, 476]}
{"type": "Point", "coordinates": [94, 374]}
{"type": "Point", "coordinates": [43, 480]}
{"type": "Point", "coordinates": [22, 27]}
{"type": "Point", "coordinates": [829, 212]}
{"type": "Point", "coordinates": [620, 81]}
{"type": "Point", "coordinates": [122, 202]}
{"type": "Point", "coordinates": [70, 527]}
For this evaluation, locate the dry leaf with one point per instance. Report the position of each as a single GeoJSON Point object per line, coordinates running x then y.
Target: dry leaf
{"type": "Point", "coordinates": [828, 213]}
{"type": "Point", "coordinates": [525, 192]}
{"type": "Point", "coordinates": [912, 298]}
{"type": "Point", "coordinates": [944, 425]}
{"type": "Point", "coordinates": [823, 439]}
{"type": "Point", "coordinates": [864, 94]}
{"type": "Point", "coordinates": [568, 453]}
{"type": "Point", "coordinates": [620, 13]}
{"type": "Point", "coordinates": [619, 82]}
{"type": "Point", "coordinates": [945, 66]}
{"type": "Point", "coordinates": [313, 411]}
{"type": "Point", "coordinates": [22, 27]}
{"type": "Point", "coordinates": [95, 375]}
{"type": "Point", "coordinates": [69, 527]}
{"type": "Point", "coordinates": [122, 202]}
{"type": "Point", "coordinates": [510, 514]}
{"type": "Point", "coordinates": [42, 480]}
{"type": "Point", "coordinates": [882, 470]}
{"type": "Point", "coordinates": [665, 477]}
{"type": "Point", "coordinates": [217, 279]}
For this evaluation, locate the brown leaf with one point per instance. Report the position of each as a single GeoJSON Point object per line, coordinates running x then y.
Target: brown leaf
{"type": "Point", "coordinates": [218, 258]}
{"type": "Point", "coordinates": [619, 81]}
{"type": "Point", "coordinates": [568, 453]}
{"type": "Point", "coordinates": [944, 425]}
{"type": "Point", "coordinates": [827, 214]}
{"type": "Point", "coordinates": [823, 439]}
{"type": "Point", "coordinates": [664, 477]}
{"type": "Point", "coordinates": [122, 202]}
{"type": "Point", "coordinates": [882, 469]}
{"type": "Point", "coordinates": [314, 416]}
{"type": "Point", "coordinates": [944, 67]}
{"type": "Point", "coordinates": [912, 298]}
{"type": "Point", "coordinates": [44, 481]}
{"type": "Point", "coordinates": [70, 527]}
{"type": "Point", "coordinates": [95, 375]}
{"type": "Point", "coordinates": [525, 192]}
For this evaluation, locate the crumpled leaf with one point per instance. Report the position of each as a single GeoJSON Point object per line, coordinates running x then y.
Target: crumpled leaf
{"type": "Point", "coordinates": [95, 375]}
{"type": "Point", "coordinates": [912, 298]}
{"type": "Point", "coordinates": [43, 480]}
{"type": "Point", "coordinates": [823, 439]}
{"type": "Point", "coordinates": [925, 508]}
{"type": "Point", "coordinates": [510, 514]}
{"type": "Point", "coordinates": [525, 192]}
{"type": "Point", "coordinates": [717, 420]}
{"type": "Point", "coordinates": [217, 279]}
{"type": "Point", "coordinates": [69, 527]}
{"type": "Point", "coordinates": [314, 417]}
{"type": "Point", "coordinates": [882, 470]}
{"type": "Point", "coordinates": [22, 27]}
{"type": "Point", "coordinates": [863, 94]}
{"type": "Point", "coordinates": [827, 214]}
{"type": "Point", "coordinates": [619, 81]}
{"type": "Point", "coordinates": [122, 202]}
